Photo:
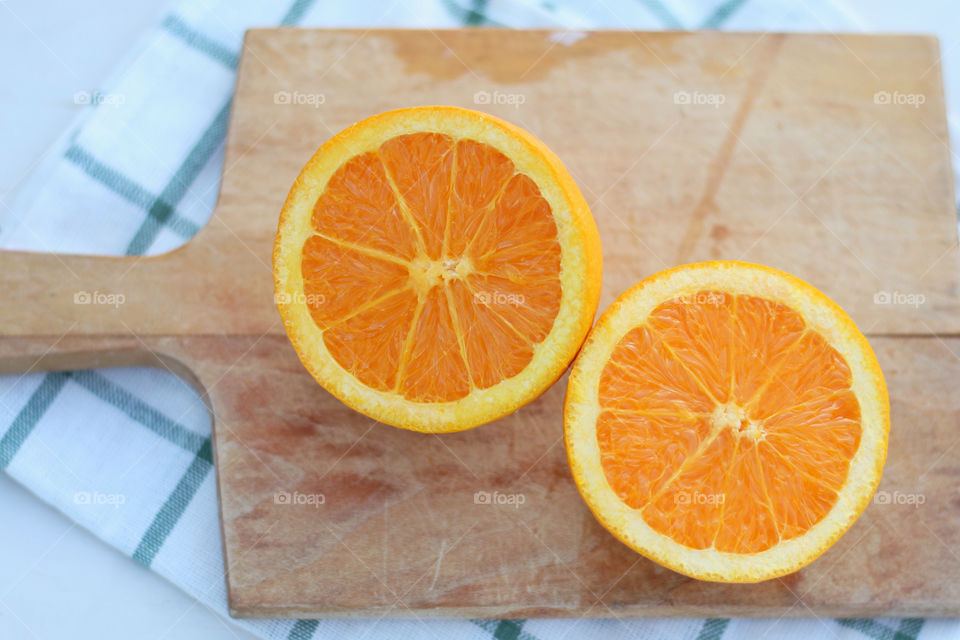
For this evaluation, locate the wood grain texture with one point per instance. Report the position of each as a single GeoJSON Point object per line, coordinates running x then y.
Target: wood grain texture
{"type": "Point", "coordinates": [767, 148]}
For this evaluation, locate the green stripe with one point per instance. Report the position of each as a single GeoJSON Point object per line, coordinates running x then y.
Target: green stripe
{"type": "Point", "coordinates": [477, 13]}
{"type": "Point", "coordinates": [486, 625]}
{"type": "Point", "coordinates": [113, 180]}
{"type": "Point", "coordinates": [910, 628]}
{"type": "Point", "coordinates": [126, 188]}
{"type": "Point", "coordinates": [869, 627]}
{"type": "Point", "coordinates": [505, 628]}
{"type": "Point", "coordinates": [177, 27]}
{"type": "Point", "coordinates": [295, 13]}
{"type": "Point", "coordinates": [722, 13]}
{"type": "Point", "coordinates": [474, 16]}
{"type": "Point", "coordinates": [166, 519]}
{"type": "Point", "coordinates": [21, 427]}
{"type": "Point", "coordinates": [303, 630]}
{"type": "Point", "coordinates": [140, 411]}
{"type": "Point", "coordinates": [508, 629]}
{"type": "Point", "coordinates": [182, 227]}
{"type": "Point", "coordinates": [162, 210]}
{"type": "Point", "coordinates": [713, 629]}
{"type": "Point", "coordinates": [660, 10]}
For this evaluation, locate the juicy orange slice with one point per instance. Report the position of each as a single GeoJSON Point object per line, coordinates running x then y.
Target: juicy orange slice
{"type": "Point", "coordinates": [436, 268]}
{"type": "Point", "coordinates": [726, 420]}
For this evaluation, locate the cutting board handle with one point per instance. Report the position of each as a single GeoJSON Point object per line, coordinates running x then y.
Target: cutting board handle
{"type": "Point", "coordinates": [68, 311]}
{"type": "Point", "coordinates": [64, 311]}
{"type": "Point", "coordinates": [106, 310]}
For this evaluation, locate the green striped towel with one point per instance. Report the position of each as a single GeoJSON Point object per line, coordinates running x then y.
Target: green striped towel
{"type": "Point", "coordinates": [126, 452]}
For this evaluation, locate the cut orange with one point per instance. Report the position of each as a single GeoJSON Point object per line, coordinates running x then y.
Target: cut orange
{"type": "Point", "coordinates": [436, 268]}
{"type": "Point", "coordinates": [726, 420]}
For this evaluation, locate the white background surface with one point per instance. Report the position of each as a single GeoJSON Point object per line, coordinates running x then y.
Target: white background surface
{"type": "Point", "coordinates": [56, 580]}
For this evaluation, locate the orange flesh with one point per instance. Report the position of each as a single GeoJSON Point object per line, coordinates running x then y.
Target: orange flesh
{"type": "Point", "coordinates": [434, 269]}
{"type": "Point", "coordinates": [726, 422]}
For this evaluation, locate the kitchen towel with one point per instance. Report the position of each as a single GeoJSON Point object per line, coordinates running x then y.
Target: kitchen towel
{"type": "Point", "coordinates": [126, 453]}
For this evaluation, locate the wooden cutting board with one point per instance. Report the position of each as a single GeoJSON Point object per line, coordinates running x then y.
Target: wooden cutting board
{"type": "Point", "coordinates": [823, 155]}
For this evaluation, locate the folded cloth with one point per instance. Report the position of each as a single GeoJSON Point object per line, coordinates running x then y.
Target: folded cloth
{"type": "Point", "coordinates": [126, 453]}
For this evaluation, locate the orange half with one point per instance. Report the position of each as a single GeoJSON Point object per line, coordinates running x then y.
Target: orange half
{"type": "Point", "coordinates": [726, 420]}
{"type": "Point", "coordinates": [436, 268]}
